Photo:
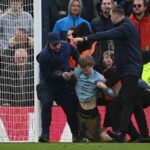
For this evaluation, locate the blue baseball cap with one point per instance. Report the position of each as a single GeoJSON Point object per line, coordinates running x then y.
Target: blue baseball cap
{"type": "Point", "coordinates": [53, 38]}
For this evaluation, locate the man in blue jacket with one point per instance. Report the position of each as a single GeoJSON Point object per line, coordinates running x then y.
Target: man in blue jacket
{"type": "Point", "coordinates": [54, 85]}
{"type": "Point", "coordinates": [73, 19]}
{"type": "Point", "coordinates": [128, 60]}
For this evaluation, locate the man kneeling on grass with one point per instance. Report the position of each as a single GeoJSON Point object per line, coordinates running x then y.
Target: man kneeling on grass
{"type": "Point", "coordinates": [88, 82]}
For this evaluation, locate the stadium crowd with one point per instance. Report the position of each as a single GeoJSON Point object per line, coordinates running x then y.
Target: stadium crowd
{"type": "Point", "coordinates": [93, 55]}
{"type": "Point", "coordinates": [16, 54]}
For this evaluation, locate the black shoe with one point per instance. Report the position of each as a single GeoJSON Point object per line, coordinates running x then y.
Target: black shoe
{"type": "Point", "coordinates": [44, 138]}
{"type": "Point", "coordinates": [132, 140]}
{"type": "Point", "coordinates": [142, 140]}
{"type": "Point", "coordinates": [117, 136]}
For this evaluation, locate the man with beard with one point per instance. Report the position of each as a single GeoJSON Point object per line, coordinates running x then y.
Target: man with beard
{"type": "Point", "coordinates": [73, 19]}
{"type": "Point", "coordinates": [141, 19]}
{"type": "Point", "coordinates": [54, 85]}
{"type": "Point", "coordinates": [103, 22]}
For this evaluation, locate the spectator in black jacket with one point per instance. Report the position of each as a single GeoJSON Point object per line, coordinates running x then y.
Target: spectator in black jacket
{"type": "Point", "coordinates": [128, 60]}
{"type": "Point", "coordinates": [52, 10]}
{"type": "Point", "coordinates": [58, 10]}
{"type": "Point", "coordinates": [88, 11]}
{"type": "Point", "coordinates": [103, 23]}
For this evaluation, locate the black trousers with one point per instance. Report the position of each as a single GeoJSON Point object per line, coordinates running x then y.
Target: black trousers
{"type": "Point", "coordinates": [143, 101]}
{"type": "Point", "coordinates": [65, 97]}
{"type": "Point", "coordinates": [122, 107]}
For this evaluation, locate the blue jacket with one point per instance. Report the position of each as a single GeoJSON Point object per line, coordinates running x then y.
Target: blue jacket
{"type": "Point", "coordinates": [128, 57]}
{"type": "Point", "coordinates": [64, 24]}
{"type": "Point", "coordinates": [52, 65]}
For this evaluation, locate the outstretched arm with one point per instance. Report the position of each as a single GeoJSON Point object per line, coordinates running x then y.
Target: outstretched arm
{"type": "Point", "coordinates": [101, 85]}
{"type": "Point", "coordinates": [104, 87]}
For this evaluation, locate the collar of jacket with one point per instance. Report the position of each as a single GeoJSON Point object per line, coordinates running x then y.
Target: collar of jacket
{"type": "Point", "coordinates": [120, 22]}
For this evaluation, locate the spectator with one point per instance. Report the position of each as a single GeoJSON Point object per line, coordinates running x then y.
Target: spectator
{"type": "Point", "coordinates": [19, 40]}
{"type": "Point", "coordinates": [88, 82]}
{"type": "Point", "coordinates": [103, 23]}
{"type": "Point", "coordinates": [128, 60]}
{"type": "Point", "coordinates": [72, 20]}
{"type": "Point", "coordinates": [54, 65]}
{"type": "Point", "coordinates": [113, 105]}
{"type": "Point", "coordinates": [52, 10]}
{"type": "Point", "coordinates": [18, 81]}
{"type": "Point", "coordinates": [141, 19]}
{"type": "Point", "coordinates": [12, 19]}
{"type": "Point", "coordinates": [22, 40]}
{"type": "Point", "coordinates": [58, 10]}
{"type": "Point", "coordinates": [88, 10]}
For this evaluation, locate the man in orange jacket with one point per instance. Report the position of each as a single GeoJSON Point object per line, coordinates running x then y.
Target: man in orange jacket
{"type": "Point", "coordinates": [141, 19]}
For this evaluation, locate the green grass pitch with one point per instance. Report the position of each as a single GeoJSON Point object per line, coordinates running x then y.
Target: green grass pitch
{"type": "Point", "coordinates": [73, 146]}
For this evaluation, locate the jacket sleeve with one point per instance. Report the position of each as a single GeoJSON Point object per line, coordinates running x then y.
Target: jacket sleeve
{"type": "Point", "coordinates": [47, 70]}
{"type": "Point", "coordinates": [121, 32]}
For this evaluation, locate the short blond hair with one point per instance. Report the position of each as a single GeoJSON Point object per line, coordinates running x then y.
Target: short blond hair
{"type": "Point", "coordinates": [86, 60]}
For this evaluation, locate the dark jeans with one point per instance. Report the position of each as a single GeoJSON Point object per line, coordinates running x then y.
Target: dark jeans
{"type": "Point", "coordinates": [65, 97]}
